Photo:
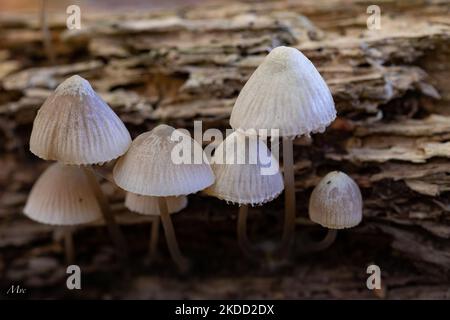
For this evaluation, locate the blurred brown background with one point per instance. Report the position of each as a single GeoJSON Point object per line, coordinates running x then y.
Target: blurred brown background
{"type": "Point", "coordinates": [30, 6]}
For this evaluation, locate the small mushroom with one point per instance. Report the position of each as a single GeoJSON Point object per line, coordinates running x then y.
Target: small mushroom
{"type": "Point", "coordinates": [148, 169]}
{"type": "Point", "coordinates": [75, 126]}
{"type": "Point", "coordinates": [148, 205]}
{"type": "Point", "coordinates": [335, 203]}
{"type": "Point", "coordinates": [287, 93]}
{"type": "Point", "coordinates": [63, 196]}
{"type": "Point", "coordinates": [241, 179]}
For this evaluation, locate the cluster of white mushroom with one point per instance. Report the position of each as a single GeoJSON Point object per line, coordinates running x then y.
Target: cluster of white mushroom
{"type": "Point", "coordinates": [76, 127]}
{"type": "Point", "coordinates": [147, 170]}
{"type": "Point", "coordinates": [285, 94]}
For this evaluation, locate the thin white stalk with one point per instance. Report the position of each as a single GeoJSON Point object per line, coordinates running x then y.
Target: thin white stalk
{"type": "Point", "coordinates": [114, 230]}
{"type": "Point", "coordinates": [46, 35]}
{"type": "Point", "coordinates": [289, 196]}
{"type": "Point", "coordinates": [171, 239]}
{"type": "Point", "coordinates": [154, 237]}
{"type": "Point", "coordinates": [243, 241]}
{"type": "Point", "coordinates": [68, 245]}
{"type": "Point", "coordinates": [321, 245]}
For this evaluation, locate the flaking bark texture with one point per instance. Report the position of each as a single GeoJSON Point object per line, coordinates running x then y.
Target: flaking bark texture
{"type": "Point", "coordinates": [392, 136]}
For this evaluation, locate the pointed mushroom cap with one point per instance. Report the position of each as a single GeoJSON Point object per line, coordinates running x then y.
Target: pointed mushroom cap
{"type": "Point", "coordinates": [148, 167]}
{"type": "Point", "coordinates": [75, 126]}
{"type": "Point", "coordinates": [62, 196]}
{"type": "Point", "coordinates": [336, 202]}
{"type": "Point", "coordinates": [285, 92]}
{"type": "Point", "coordinates": [240, 180]}
{"type": "Point", "coordinates": [149, 205]}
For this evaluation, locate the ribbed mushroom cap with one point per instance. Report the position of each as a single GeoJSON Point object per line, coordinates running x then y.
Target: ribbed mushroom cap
{"type": "Point", "coordinates": [148, 168]}
{"type": "Point", "coordinates": [75, 126]}
{"type": "Point", "coordinates": [149, 205]}
{"type": "Point", "coordinates": [336, 202]}
{"type": "Point", "coordinates": [239, 177]}
{"type": "Point", "coordinates": [285, 92]}
{"type": "Point", "coordinates": [62, 196]}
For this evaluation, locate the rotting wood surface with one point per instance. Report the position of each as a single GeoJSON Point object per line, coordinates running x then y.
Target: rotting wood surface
{"type": "Point", "coordinates": [392, 135]}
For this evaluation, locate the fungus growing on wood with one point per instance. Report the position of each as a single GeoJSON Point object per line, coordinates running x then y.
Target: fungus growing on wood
{"type": "Point", "coordinates": [63, 196]}
{"type": "Point", "coordinates": [148, 168]}
{"type": "Point", "coordinates": [246, 174]}
{"type": "Point", "coordinates": [75, 126]}
{"type": "Point", "coordinates": [285, 93]}
{"type": "Point", "coordinates": [335, 203]}
{"type": "Point", "coordinates": [148, 205]}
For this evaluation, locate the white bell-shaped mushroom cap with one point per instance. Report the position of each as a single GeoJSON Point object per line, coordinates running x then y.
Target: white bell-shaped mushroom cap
{"type": "Point", "coordinates": [336, 202]}
{"type": "Point", "coordinates": [75, 126]}
{"type": "Point", "coordinates": [286, 92]}
{"type": "Point", "coordinates": [246, 172]}
{"type": "Point", "coordinates": [149, 205]}
{"type": "Point", "coordinates": [63, 196]}
{"type": "Point", "coordinates": [153, 165]}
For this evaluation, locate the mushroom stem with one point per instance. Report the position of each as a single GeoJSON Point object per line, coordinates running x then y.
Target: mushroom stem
{"type": "Point", "coordinates": [154, 237]}
{"type": "Point", "coordinates": [323, 244]}
{"type": "Point", "coordinates": [304, 222]}
{"type": "Point", "coordinates": [68, 245]}
{"type": "Point", "coordinates": [113, 228]}
{"type": "Point", "coordinates": [243, 241]}
{"type": "Point", "coordinates": [171, 239]}
{"type": "Point", "coordinates": [46, 37]}
{"type": "Point", "coordinates": [289, 195]}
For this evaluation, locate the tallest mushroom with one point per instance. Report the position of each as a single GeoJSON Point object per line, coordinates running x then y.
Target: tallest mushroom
{"type": "Point", "coordinates": [285, 93]}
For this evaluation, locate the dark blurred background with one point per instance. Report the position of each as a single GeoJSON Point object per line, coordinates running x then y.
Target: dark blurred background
{"type": "Point", "coordinates": [179, 61]}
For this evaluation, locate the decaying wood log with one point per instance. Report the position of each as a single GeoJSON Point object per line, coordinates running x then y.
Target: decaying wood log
{"type": "Point", "coordinates": [392, 136]}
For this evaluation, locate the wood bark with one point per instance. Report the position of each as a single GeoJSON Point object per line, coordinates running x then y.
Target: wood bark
{"type": "Point", "coordinates": [392, 135]}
